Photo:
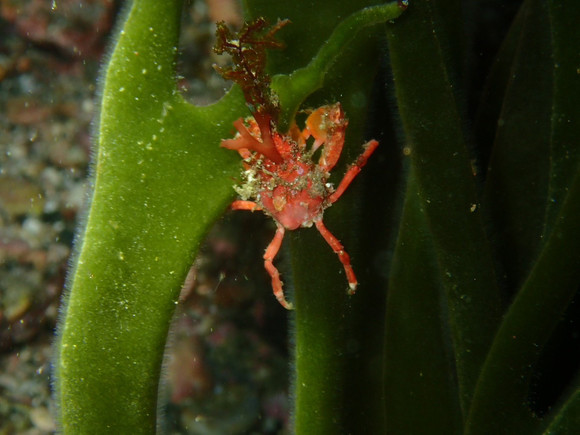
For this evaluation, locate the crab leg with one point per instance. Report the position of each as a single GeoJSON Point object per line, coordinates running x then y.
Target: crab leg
{"type": "Point", "coordinates": [342, 255]}
{"type": "Point", "coordinates": [271, 252]}
{"type": "Point", "coordinates": [353, 171]}
{"type": "Point", "coordinates": [245, 205]}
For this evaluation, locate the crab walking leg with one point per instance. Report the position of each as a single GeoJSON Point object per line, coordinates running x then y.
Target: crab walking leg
{"type": "Point", "coordinates": [245, 205]}
{"type": "Point", "coordinates": [353, 171]}
{"type": "Point", "coordinates": [271, 252]}
{"type": "Point", "coordinates": [342, 255]}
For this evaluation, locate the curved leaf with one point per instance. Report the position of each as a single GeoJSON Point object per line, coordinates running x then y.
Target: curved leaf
{"type": "Point", "coordinates": [564, 16]}
{"type": "Point", "coordinates": [502, 390]}
{"type": "Point", "coordinates": [496, 85]}
{"type": "Point", "coordinates": [160, 181]}
{"type": "Point", "coordinates": [446, 185]}
{"type": "Point", "coordinates": [499, 401]}
{"type": "Point", "coordinates": [293, 89]}
{"type": "Point", "coordinates": [516, 186]}
{"type": "Point", "coordinates": [567, 419]}
{"type": "Point", "coordinates": [420, 388]}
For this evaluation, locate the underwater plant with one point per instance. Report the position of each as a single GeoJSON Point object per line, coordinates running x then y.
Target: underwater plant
{"type": "Point", "coordinates": [462, 227]}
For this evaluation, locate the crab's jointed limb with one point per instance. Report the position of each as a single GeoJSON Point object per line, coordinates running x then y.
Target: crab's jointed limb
{"type": "Point", "coordinates": [245, 205]}
{"type": "Point", "coordinates": [342, 254]}
{"type": "Point", "coordinates": [354, 170]}
{"type": "Point", "coordinates": [334, 243]}
{"type": "Point", "coordinates": [270, 254]}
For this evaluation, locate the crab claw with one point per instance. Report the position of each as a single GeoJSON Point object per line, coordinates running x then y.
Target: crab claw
{"type": "Point", "coordinates": [327, 126]}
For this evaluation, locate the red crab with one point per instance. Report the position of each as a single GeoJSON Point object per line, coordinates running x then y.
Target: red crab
{"type": "Point", "coordinates": [281, 179]}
